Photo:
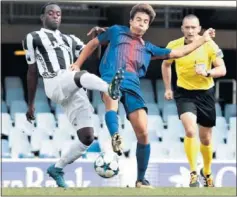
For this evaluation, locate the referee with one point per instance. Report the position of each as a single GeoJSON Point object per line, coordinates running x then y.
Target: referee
{"type": "Point", "coordinates": [194, 95]}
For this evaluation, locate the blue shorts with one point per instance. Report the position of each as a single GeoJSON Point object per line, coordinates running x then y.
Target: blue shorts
{"type": "Point", "coordinates": [132, 101]}
{"type": "Point", "coordinates": [131, 98]}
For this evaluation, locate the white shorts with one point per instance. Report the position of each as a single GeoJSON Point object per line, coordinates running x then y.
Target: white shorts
{"type": "Point", "coordinates": [75, 102]}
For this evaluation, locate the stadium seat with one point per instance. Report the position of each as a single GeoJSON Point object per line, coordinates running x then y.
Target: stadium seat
{"type": "Point", "coordinates": [155, 127]}
{"type": "Point", "coordinates": [101, 112]}
{"type": "Point", "coordinates": [53, 105]}
{"type": "Point", "coordinates": [59, 137]}
{"type": "Point", "coordinates": [232, 124]}
{"type": "Point", "coordinates": [15, 94]}
{"type": "Point", "coordinates": [37, 137]}
{"type": "Point", "coordinates": [92, 156]}
{"type": "Point", "coordinates": [127, 125]}
{"type": "Point", "coordinates": [58, 109]}
{"type": "Point", "coordinates": [42, 107]}
{"type": "Point", "coordinates": [20, 145]}
{"type": "Point", "coordinates": [18, 107]}
{"type": "Point", "coordinates": [158, 151]}
{"type": "Point", "coordinates": [22, 123]}
{"type": "Point", "coordinates": [218, 110]}
{"type": "Point", "coordinates": [13, 82]}
{"type": "Point", "coordinates": [6, 123]}
{"type": "Point", "coordinates": [104, 139]}
{"type": "Point", "coordinates": [121, 113]}
{"type": "Point", "coordinates": [219, 132]}
{"type": "Point", "coordinates": [94, 147]}
{"type": "Point", "coordinates": [97, 124]}
{"type": "Point", "coordinates": [133, 149]}
{"type": "Point", "coordinates": [15, 134]}
{"type": "Point", "coordinates": [40, 95]}
{"type": "Point", "coordinates": [96, 99]}
{"type": "Point", "coordinates": [47, 150]}
{"type": "Point", "coordinates": [46, 121]}
{"type": "Point", "coordinates": [64, 124]}
{"type": "Point", "coordinates": [160, 91]}
{"type": "Point", "coordinates": [40, 83]}
{"type": "Point", "coordinates": [146, 86]}
{"type": "Point", "coordinates": [169, 109]}
{"type": "Point", "coordinates": [128, 137]}
{"type": "Point", "coordinates": [221, 124]}
{"type": "Point", "coordinates": [230, 111]}
{"type": "Point", "coordinates": [176, 151]}
{"type": "Point", "coordinates": [65, 146]}
{"type": "Point", "coordinates": [5, 153]}
{"type": "Point", "coordinates": [147, 90]}
{"type": "Point", "coordinates": [152, 109]}
{"type": "Point", "coordinates": [4, 107]}
{"type": "Point", "coordinates": [223, 152]}
{"type": "Point", "coordinates": [175, 129]}
{"type": "Point", "coordinates": [231, 138]}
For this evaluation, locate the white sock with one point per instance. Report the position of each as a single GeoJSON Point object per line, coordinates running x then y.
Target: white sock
{"type": "Point", "coordinates": [76, 150]}
{"type": "Point", "coordinates": [92, 82]}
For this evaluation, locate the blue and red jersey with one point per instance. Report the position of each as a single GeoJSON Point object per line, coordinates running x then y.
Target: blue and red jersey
{"type": "Point", "coordinates": [125, 49]}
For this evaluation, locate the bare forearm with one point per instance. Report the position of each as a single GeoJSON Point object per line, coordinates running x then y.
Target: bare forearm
{"type": "Point", "coordinates": [186, 49]}
{"type": "Point", "coordinates": [166, 75]}
{"type": "Point", "coordinates": [86, 52]}
{"type": "Point", "coordinates": [32, 81]}
{"type": "Point", "coordinates": [219, 71]}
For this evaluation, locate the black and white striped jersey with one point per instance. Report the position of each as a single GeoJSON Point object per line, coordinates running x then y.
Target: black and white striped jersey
{"type": "Point", "coordinates": [51, 50]}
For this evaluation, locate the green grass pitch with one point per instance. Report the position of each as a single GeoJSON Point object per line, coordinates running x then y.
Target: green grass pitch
{"type": "Point", "coordinates": [111, 191]}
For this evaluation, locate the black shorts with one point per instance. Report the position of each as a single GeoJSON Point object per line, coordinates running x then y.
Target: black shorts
{"type": "Point", "coordinates": [199, 102]}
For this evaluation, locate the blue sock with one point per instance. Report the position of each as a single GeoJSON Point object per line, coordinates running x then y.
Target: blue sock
{"type": "Point", "coordinates": [111, 120]}
{"type": "Point", "coordinates": [143, 155]}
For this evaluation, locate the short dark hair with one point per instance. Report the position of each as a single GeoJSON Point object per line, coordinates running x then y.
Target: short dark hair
{"type": "Point", "coordinates": [45, 5]}
{"type": "Point", "coordinates": [143, 8]}
{"type": "Point", "coordinates": [190, 16]}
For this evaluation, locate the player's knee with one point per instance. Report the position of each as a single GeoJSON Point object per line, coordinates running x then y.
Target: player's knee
{"type": "Point", "coordinates": [142, 135]}
{"type": "Point", "coordinates": [86, 135]}
{"type": "Point", "coordinates": [77, 77]}
{"type": "Point", "coordinates": [190, 131]}
{"type": "Point", "coordinates": [205, 139]}
{"type": "Point", "coordinates": [205, 142]}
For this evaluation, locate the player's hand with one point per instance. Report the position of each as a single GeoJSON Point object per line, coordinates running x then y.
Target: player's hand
{"type": "Point", "coordinates": [30, 114]}
{"type": "Point", "coordinates": [201, 71]}
{"type": "Point", "coordinates": [74, 67]}
{"type": "Point", "coordinates": [209, 34]}
{"type": "Point", "coordinates": [96, 30]}
{"type": "Point", "coordinates": [168, 94]}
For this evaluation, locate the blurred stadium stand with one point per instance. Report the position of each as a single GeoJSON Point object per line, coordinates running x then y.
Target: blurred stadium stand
{"type": "Point", "coordinates": [52, 129]}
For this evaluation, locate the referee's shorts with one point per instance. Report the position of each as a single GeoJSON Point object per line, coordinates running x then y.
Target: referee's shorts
{"type": "Point", "coordinates": [199, 102]}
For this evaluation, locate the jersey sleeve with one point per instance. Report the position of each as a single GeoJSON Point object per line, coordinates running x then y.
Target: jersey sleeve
{"type": "Point", "coordinates": [77, 44]}
{"type": "Point", "coordinates": [158, 52]}
{"type": "Point", "coordinates": [29, 48]}
{"type": "Point", "coordinates": [107, 35]}
{"type": "Point", "coordinates": [214, 51]}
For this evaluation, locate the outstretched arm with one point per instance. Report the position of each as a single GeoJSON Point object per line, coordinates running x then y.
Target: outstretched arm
{"type": "Point", "coordinates": [185, 50]}
{"type": "Point", "coordinates": [165, 53]}
{"type": "Point", "coordinates": [91, 46]}
{"type": "Point", "coordinates": [86, 53]}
